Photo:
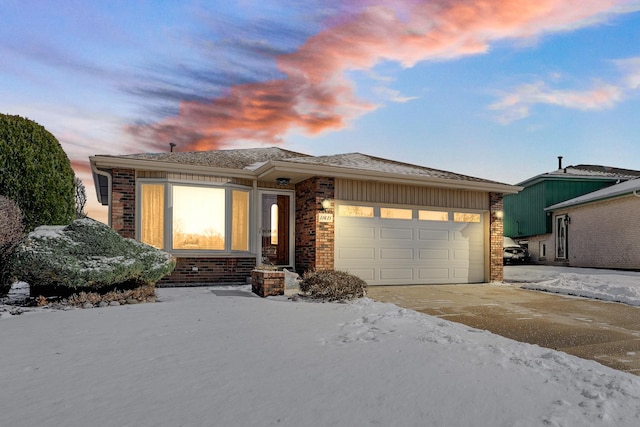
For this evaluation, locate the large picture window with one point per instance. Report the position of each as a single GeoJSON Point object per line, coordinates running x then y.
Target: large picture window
{"type": "Point", "coordinates": [199, 218]}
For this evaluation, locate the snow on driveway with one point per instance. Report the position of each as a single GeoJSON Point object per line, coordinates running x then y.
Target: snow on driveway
{"type": "Point", "coordinates": [607, 285]}
{"type": "Point", "coordinates": [223, 357]}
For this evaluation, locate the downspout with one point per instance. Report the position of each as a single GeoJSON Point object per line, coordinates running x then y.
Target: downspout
{"type": "Point", "coordinates": [96, 184]}
{"type": "Point", "coordinates": [635, 193]}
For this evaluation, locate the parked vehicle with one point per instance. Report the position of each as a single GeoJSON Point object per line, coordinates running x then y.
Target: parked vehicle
{"type": "Point", "coordinates": [513, 252]}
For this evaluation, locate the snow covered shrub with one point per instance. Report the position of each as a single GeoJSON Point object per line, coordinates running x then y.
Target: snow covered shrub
{"type": "Point", "coordinates": [86, 255]}
{"type": "Point", "coordinates": [35, 172]}
{"type": "Point", "coordinates": [332, 285]}
{"type": "Point", "coordinates": [11, 231]}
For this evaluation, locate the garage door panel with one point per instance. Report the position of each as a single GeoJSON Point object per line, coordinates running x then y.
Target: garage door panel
{"type": "Point", "coordinates": [396, 254]}
{"type": "Point", "coordinates": [429, 235]}
{"type": "Point", "coordinates": [438, 254]}
{"type": "Point", "coordinates": [356, 253]}
{"type": "Point", "coordinates": [433, 274]}
{"type": "Point", "coordinates": [396, 233]}
{"type": "Point", "coordinates": [356, 232]}
{"type": "Point", "coordinates": [396, 273]}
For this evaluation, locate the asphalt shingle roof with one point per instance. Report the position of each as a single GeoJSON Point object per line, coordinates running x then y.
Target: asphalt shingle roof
{"type": "Point", "coordinates": [232, 159]}
{"type": "Point", "coordinates": [358, 161]}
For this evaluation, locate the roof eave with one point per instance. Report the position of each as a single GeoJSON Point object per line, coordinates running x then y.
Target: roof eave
{"type": "Point", "coordinates": [281, 167]}
{"type": "Point", "coordinates": [110, 162]}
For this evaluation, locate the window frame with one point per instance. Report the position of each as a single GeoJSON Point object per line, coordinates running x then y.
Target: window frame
{"type": "Point", "coordinates": [168, 217]}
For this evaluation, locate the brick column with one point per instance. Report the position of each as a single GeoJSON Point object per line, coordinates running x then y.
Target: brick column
{"type": "Point", "coordinates": [314, 239]}
{"type": "Point", "coordinates": [496, 236]}
{"type": "Point", "coordinates": [123, 202]}
{"type": "Point", "coordinates": [267, 283]}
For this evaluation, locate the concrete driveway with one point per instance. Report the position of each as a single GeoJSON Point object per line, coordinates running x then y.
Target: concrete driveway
{"type": "Point", "coordinates": [606, 332]}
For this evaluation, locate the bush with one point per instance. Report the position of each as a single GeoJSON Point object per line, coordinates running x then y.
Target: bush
{"type": "Point", "coordinates": [85, 256]}
{"type": "Point", "coordinates": [11, 231]}
{"type": "Point", "coordinates": [35, 172]}
{"type": "Point", "coordinates": [332, 285]}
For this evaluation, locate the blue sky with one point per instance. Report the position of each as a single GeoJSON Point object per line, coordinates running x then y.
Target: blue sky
{"type": "Point", "coordinates": [495, 89]}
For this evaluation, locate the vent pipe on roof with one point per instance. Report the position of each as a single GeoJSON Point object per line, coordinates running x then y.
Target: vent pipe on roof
{"type": "Point", "coordinates": [559, 162]}
{"type": "Point", "coordinates": [171, 145]}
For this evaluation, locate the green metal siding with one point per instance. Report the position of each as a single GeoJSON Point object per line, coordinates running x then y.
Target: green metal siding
{"type": "Point", "coordinates": [524, 213]}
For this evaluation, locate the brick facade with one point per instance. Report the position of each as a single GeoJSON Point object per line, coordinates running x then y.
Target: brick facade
{"type": "Point", "coordinates": [123, 202]}
{"type": "Point", "coordinates": [314, 239]}
{"type": "Point", "coordinates": [496, 233]}
{"type": "Point", "coordinates": [605, 234]}
{"type": "Point", "coordinates": [211, 270]}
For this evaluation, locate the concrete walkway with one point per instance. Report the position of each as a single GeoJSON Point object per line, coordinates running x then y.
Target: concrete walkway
{"type": "Point", "coordinates": [606, 332]}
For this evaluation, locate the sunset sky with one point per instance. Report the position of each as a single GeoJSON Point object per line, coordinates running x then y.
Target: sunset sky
{"type": "Point", "coordinates": [490, 88]}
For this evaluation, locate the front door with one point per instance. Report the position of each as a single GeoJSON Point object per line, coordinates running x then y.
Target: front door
{"type": "Point", "coordinates": [275, 229]}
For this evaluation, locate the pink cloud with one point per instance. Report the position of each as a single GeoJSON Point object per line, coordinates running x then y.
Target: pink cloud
{"type": "Point", "coordinates": [315, 94]}
{"type": "Point", "coordinates": [516, 105]}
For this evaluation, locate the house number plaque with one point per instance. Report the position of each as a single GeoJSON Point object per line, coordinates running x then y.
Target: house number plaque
{"type": "Point", "coordinates": [325, 217]}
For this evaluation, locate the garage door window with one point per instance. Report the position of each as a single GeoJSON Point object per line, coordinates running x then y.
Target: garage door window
{"type": "Point", "coordinates": [395, 213]}
{"type": "Point", "coordinates": [433, 215]}
{"type": "Point", "coordinates": [359, 211]}
{"type": "Point", "coordinates": [466, 217]}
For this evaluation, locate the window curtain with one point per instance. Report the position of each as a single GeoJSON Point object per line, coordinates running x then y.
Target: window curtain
{"type": "Point", "coordinates": [152, 226]}
{"type": "Point", "coordinates": [240, 221]}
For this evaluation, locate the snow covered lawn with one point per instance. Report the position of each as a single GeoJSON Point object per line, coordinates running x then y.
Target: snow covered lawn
{"type": "Point", "coordinates": [223, 357]}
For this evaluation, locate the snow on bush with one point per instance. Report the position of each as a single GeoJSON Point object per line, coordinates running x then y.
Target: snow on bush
{"type": "Point", "coordinates": [332, 285]}
{"type": "Point", "coordinates": [86, 256]}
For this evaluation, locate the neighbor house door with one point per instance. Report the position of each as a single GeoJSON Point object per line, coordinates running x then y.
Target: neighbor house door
{"type": "Point", "coordinates": [275, 230]}
{"type": "Point", "coordinates": [561, 236]}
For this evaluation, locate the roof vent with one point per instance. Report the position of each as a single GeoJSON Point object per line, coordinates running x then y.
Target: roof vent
{"type": "Point", "coordinates": [559, 162]}
{"type": "Point", "coordinates": [171, 146]}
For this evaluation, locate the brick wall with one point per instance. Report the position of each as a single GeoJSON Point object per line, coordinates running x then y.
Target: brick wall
{"type": "Point", "coordinates": [314, 239]}
{"type": "Point", "coordinates": [496, 233]}
{"type": "Point", "coordinates": [605, 234]}
{"type": "Point", "coordinates": [123, 202]}
{"type": "Point", "coordinates": [211, 271]}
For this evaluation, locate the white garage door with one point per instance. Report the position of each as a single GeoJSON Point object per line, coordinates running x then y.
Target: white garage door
{"type": "Point", "coordinates": [400, 246]}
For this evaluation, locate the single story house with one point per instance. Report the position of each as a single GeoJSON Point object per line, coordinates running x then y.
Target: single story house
{"type": "Point", "coordinates": [222, 213]}
{"type": "Point", "coordinates": [527, 219]}
{"type": "Point", "coordinates": [600, 229]}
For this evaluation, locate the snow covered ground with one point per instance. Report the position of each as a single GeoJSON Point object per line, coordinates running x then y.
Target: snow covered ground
{"type": "Point", "coordinates": [224, 357]}
{"type": "Point", "coordinates": [607, 285]}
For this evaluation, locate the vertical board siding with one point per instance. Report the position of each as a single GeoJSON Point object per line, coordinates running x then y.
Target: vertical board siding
{"type": "Point", "coordinates": [375, 192]}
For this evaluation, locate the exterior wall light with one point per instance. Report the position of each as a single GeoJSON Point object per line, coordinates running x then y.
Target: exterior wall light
{"type": "Point", "coordinates": [283, 181]}
{"type": "Point", "coordinates": [326, 204]}
{"type": "Point", "coordinates": [499, 214]}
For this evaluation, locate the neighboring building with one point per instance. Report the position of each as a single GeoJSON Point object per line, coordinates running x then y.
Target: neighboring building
{"type": "Point", "coordinates": [600, 229]}
{"type": "Point", "coordinates": [222, 213]}
{"type": "Point", "coordinates": [527, 219]}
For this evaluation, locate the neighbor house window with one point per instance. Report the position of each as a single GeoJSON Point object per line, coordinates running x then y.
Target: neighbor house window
{"type": "Point", "coordinates": [433, 215]}
{"type": "Point", "coordinates": [198, 218]}
{"type": "Point", "coordinates": [466, 217]}
{"type": "Point", "coordinates": [396, 213]}
{"type": "Point", "coordinates": [152, 218]}
{"type": "Point", "coordinates": [349, 210]}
